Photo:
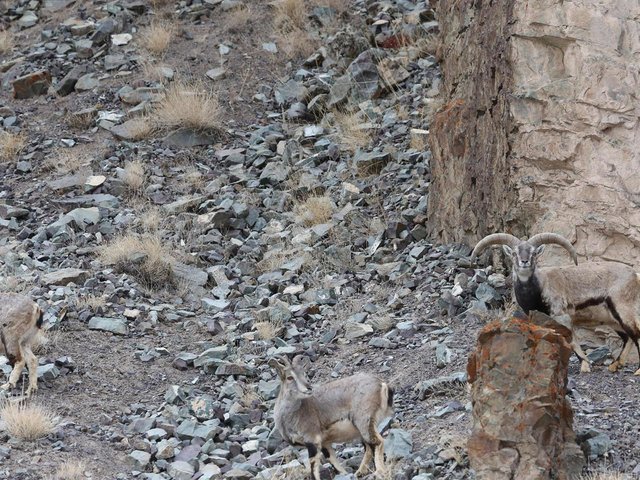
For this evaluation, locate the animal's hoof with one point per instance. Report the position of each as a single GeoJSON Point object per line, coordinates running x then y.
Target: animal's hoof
{"type": "Point", "coordinates": [7, 386]}
{"type": "Point", "coordinates": [585, 367]}
{"type": "Point", "coordinates": [613, 368]}
{"type": "Point", "coordinates": [637, 372]}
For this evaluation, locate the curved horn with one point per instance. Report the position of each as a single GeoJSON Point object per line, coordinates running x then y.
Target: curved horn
{"type": "Point", "coordinates": [543, 238]}
{"type": "Point", "coordinates": [494, 239]}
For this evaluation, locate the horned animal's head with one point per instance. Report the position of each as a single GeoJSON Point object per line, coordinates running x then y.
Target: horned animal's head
{"type": "Point", "coordinates": [293, 378]}
{"type": "Point", "coordinates": [523, 253]}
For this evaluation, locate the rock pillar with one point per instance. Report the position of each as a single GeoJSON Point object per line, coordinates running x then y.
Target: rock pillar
{"type": "Point", "coordinates": [522, 420]}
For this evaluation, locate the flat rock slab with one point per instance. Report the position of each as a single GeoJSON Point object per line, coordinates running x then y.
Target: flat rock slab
{"type": "Point", "coordinates": [65, 276]}
{"type": "Point", "coordinates": [113, 325]}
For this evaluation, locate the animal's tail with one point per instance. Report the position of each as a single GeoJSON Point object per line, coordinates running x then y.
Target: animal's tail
{"type": "Point", "coordinates": [386, 397]}
{"type": "Point", "coordinates": [40, 320]}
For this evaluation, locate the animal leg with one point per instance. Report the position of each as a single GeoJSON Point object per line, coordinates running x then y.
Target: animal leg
{"type": "Point", "coordinates": [585, 366]}
{"type": "Point", "coordinates": [15, 375]}
{"type": "Point", "coordinates": [314, 459]}
{"type": "Point", "coordinates": [620, 360]}
{"type": "Point", "coordinates": [32, 363]}
{"type": "Point", "coordinates": [363, 469]}
{"type": "Point", "coordinates": [330, 453]}
{"type": "Point", "coordinates": [381, 469]}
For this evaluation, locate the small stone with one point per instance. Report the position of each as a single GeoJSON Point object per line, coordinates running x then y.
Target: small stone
{"type": "Point", "coordinates": [216, 73]}
{"type": "Point", "coordinates": [270, 47]}
{"type": "Point", "coordinates": [121, 39]}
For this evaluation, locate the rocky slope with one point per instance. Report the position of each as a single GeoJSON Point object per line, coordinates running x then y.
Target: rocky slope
{"type": "Point", "coordinates": [173, 260]}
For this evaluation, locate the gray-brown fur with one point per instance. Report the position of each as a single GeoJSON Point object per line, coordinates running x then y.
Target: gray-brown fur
{"type": "Point", "coordinates": [592, 294]}
{"type": "Point", "coordinates": [20, 321]}
{"type": "Point", "coordinates": [340, 411]}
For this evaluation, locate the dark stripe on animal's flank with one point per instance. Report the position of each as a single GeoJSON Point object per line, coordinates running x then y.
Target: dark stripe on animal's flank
{"type": "Point", "coordinates": [40, 319]}
{"type": "Point", "coordinates": [592, 302]}
{"type": "Point", "coordinates": [390, 398]}
{"type": "Point", "coordinates": [312, 449]}
{"type": "Point", "coordinates": [616, 315]}
{"type": "Point", "coordinates": [325, 452]}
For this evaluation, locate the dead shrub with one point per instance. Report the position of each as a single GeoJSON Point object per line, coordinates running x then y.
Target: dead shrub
{"type": "Point", "coordinates": [7, 42]}
{"type": "Point", "coordinates": [291, 14]}
{"type": "Point", "coordinates": [156, 38]}
{"type": "Point", "coordinates": [351, 131]}
{"type": "Point", "coordinates": [133, 176]}
{"type": "Point", "coordinates": [419, 139]}
{"type": "Point", "coordinates": [269, 329]}
{"type": "Point", "coordinates": [238, 18]}
{"type": "Point", "coordinates": [194, 179]}
{"type": "Point", "coordinates": [147, 258]}
{"type": "Point", "coordinates": [315, 210]}
{"type": "Point", "coordinates": [82, 120]}
{"type": "Point", "coordinates": [27, 420]}
{"type": "Point", "coordinates": [68, 160]}
{"type": "Point", "coordinates": [90, 301]}
{"type": "Point", "coordinates": [296, 43]}
{"type": "Point", "coordinates": [11, 144]}
{"type": "Point", "coordinates": [70, 470]}
{"type": "Point", "coordinates": [188, 105]}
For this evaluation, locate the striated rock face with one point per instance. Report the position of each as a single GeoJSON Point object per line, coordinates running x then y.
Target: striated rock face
{"type": "Point", "coordinates": [522, 420]}
{"type": "Point", "coordinates": [539, 127]}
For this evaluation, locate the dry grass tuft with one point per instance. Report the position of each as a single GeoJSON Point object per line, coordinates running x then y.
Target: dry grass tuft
{"type": "Point", "coordinates": [352, 135]}
{"type": "Point", "coordinates": [46, 342]}
{"type": "Point", "coordinates": [70, 470]}
{"type": "Point", "coordinates": [269, 329]}
{"type": "Point", "coordinates": [296, 44]}
{"type": "Point", "coordinates": [67, 160]}
{"type": "Point", "coordinates": [92, 302]}
{"type": "Point", "coordinates": [194, 179]}
{"type": "Point", "coordinates": [156, 38]}
{"type": "Point", "coordinates": [291, 14]}
{"type": "Point", "coordinates": [134, 176]}
{"type": "Point", "coordinates": [151, 219]}
{"type": "Point", "coordinates": [147, 258]}
{"type": "Point", "coordinates": [7, 42]}
{"type": "Point", "coordinates": [238, 18]}
{"type": "Point", "coordinates": [419, 139]}
{"type": "Point", "coordinates": [11, 144]}
{"type": "Point", "coordinates": [314, 210]}
{"type": "Point", "coordinates": [189, 105]}
{"type": "Point", "coordinates": [80, 120]}
{"type": "Point", "coordinates": [27, 421]}
{"type": "Point", "coordinates": [140, 128]}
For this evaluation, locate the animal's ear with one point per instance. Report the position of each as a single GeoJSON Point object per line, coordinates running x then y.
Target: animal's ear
{"type": "Point", "coordinates": [507, 250]}
{"type": "Point", "coordinates": [539, 250]}
{"type": "Point", "coordinates": [278, 366]}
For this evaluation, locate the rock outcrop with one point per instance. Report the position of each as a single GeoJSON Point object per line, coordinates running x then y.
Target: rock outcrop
{"type": "Point", "coordinates": [538, 130]}
{"type": "Point", "coordinates": [522, 419]}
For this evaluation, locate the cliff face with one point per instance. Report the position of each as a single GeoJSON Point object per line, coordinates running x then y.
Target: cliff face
{"type": "Point", "coordinates": [539, 130]}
